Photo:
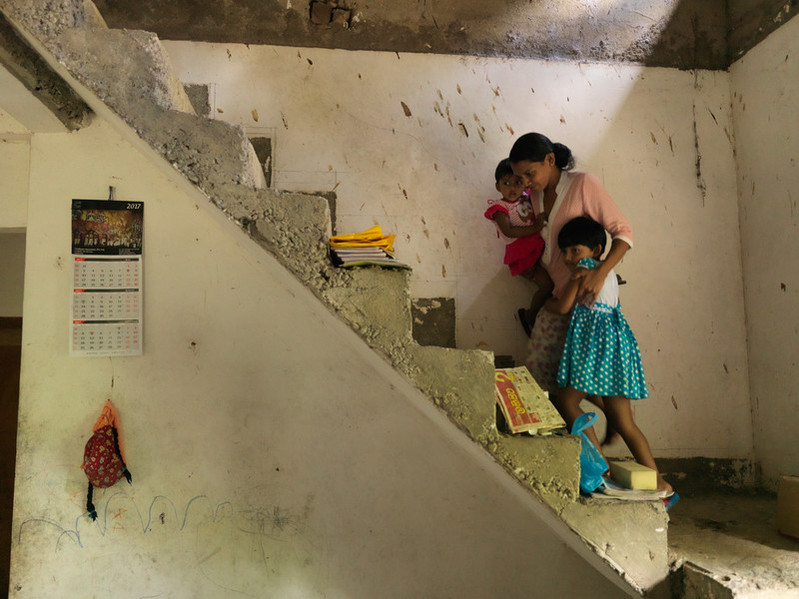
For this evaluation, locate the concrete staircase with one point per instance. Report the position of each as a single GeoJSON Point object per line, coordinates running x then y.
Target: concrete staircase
{"type": "Point", "coordinates": [125, 77]}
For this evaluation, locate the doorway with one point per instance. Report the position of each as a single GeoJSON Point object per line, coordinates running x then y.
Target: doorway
{"type": "Point", "coordinates": [10, 351]}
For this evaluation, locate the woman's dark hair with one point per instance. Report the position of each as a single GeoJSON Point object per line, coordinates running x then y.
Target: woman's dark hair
{"type": "Point", "coordinates": [535, 147]}
{"type": "Point", "coordinates": [503, 169]}
{"type": "Point", "coordinates": [582, 231]}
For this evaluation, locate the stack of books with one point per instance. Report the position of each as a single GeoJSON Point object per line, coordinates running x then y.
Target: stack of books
{"type": "Point", "coordinates": [368, 248]}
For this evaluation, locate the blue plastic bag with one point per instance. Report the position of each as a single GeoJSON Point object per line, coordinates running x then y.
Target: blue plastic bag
{"type": "Point", "coordinates": [592, 464]}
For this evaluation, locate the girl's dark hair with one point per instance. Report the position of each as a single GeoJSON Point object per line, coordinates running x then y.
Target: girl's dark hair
{"type": "Point", "coordinates": [535, 147]}
{"type": "Point", "coordinates": [503, 168]}
{"type": "Point", "coordinates": [582, 231]}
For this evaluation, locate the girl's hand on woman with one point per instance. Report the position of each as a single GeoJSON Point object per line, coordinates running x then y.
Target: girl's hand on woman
{"type": "Point", "coordinates": [591, 283]}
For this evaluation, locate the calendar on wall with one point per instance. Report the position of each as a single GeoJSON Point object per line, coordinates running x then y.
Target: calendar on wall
{"type": "Point", "coordinates": [106, 278]}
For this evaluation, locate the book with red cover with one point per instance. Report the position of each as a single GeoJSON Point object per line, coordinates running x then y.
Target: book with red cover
{"type": "Point", "coordinates": [524, 403]}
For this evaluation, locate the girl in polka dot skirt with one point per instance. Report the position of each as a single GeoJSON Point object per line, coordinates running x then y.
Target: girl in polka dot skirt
{"type": "Point", "coordinates": [601, 355]}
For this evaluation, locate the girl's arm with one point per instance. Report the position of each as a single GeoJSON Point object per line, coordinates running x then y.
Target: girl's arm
{"type": "Point", "coordinates": [591, 281]}
{"type": "Point", "coordinates": [564, 303]}
{"type": "Point", "coordinates": [600, 206]}
{"type": "Point", "coordinates": [503, 222]}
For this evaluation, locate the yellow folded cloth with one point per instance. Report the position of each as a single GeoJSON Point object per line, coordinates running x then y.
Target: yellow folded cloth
{"type": "Point", "coordinates": [372, 237]}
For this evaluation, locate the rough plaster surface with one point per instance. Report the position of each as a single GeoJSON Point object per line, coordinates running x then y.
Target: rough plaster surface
{"type": "Point", "coordinates": [52, 17]}
{"type": "Point", "coordinates": [683, 34]}
{"type": "Point", "coordinates": [434, 321]}
{"type": "Point", "coordinates": [37, 76]}
{"type": "Point", "coordinates": [460, 382]}
{"type": "Point", "coordinates": [698, 583]}
{"type": "Point", "coordinates": [627, 532]}
{"type": "Point", "coordinates": [549, 466]}
{"type": "Point", "coordinates": [674, 33]}
{"type": "Point", "coordinates": [751, 21]}
{"type": "Point", "coordinates": [141, 68]}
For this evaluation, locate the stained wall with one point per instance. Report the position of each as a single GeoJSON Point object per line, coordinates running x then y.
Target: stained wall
{"type": "Point", "coordinates": [764, 113]}
{"type": "Point", "coordinates": [410, 142]}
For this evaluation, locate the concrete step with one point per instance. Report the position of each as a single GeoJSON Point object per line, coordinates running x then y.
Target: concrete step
{"type": "Point", "coordinates": [723, 543]}
{"type": "Point", "coordinates": [122, 67]}
{"type": "Point", "coordinates": [214, 155]}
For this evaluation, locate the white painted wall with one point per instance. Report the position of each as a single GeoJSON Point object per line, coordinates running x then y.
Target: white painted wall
{"type": "Point", "coordinates": [273, 454]}
{"type": "Point", "coordinates": [765, 114]}
{"type": "Point", "coordinates": [14, 164]}
{"type": "Point", "coordinates": [339, 123]}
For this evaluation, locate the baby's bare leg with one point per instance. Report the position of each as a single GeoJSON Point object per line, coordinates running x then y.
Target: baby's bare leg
{"type": "Point", "coordinates": [544, 286]}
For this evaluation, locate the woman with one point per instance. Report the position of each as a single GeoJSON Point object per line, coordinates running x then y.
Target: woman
{"type": "Point", "coordinates": [545, 167]}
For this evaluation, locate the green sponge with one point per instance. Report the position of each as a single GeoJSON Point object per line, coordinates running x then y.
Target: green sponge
{"type": "Point", "coordinates": [633, 475]}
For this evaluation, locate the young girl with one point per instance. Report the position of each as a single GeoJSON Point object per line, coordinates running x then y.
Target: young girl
{"type": "Point", "coordinates": [516, 221]}
{"type": "Point", "coordinates": [600, 356]}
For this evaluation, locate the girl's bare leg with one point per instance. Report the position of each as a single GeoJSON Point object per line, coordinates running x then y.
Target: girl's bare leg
{"type": "Point", "coordinates": [620, 414]}
{"type": "Point", "coordinates": [567, 401]}
{"type": "Point", "coordinates": [610, 433]}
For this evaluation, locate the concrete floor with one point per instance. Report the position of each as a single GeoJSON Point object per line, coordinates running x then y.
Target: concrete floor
{"type": "Point", "coordinates": [732, 534]}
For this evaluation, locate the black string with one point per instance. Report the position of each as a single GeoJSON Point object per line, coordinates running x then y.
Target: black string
{"type": "Point", "coordinates": [125, 470]}
{"type": "Point", "coordinates": [89, 504]}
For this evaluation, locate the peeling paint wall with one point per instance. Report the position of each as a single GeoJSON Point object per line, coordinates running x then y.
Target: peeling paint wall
{"type": "Point", "coordinates": [273, 453]}
{"type": "Point", "coordinates": [765, 115]}
{"type": "Point", "coordinates": [411, 141]}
